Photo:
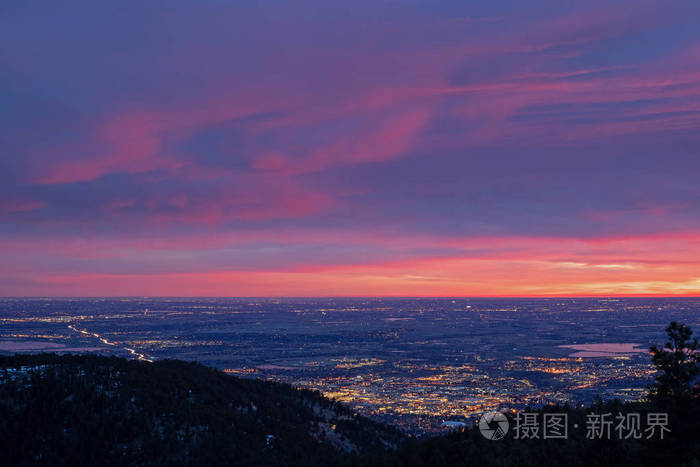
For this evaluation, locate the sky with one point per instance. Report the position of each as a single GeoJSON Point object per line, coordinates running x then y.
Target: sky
{"type": "Point", "coordinates": [350, 148]}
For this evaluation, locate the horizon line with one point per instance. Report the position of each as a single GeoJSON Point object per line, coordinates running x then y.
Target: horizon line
{"type": "Point", "coordinates": [348, 296]}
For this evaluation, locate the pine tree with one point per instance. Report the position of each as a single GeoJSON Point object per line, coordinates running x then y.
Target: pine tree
{"type": "Point", "coordinates": [678, 365]}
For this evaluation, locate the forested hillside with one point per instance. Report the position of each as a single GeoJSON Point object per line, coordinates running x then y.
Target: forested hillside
{"type": "Point", "coordinates": [93, 410]}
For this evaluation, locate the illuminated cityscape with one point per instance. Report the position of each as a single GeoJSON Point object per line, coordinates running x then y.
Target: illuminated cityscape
{"type": "Point", "coordinates": [415, 363]}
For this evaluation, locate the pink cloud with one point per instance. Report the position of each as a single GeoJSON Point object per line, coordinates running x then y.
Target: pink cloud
{"type": "Point", "coordinates": [137, 139]}
{"type": "Point", "coordinates": [393, 137]}
{"type": "Point", "coordinates": [135, 145]}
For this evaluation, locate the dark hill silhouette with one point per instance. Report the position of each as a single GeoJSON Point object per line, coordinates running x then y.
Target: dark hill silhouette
{"type": "Point", "coordinates": [93, 410]}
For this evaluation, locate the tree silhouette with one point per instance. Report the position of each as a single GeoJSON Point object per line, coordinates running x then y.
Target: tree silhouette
{"type": "Point", "coordinates": [677, 362]}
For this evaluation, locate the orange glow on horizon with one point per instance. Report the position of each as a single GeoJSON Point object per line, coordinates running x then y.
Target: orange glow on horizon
{"type": "Point", "coordinates": [504, 267]}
